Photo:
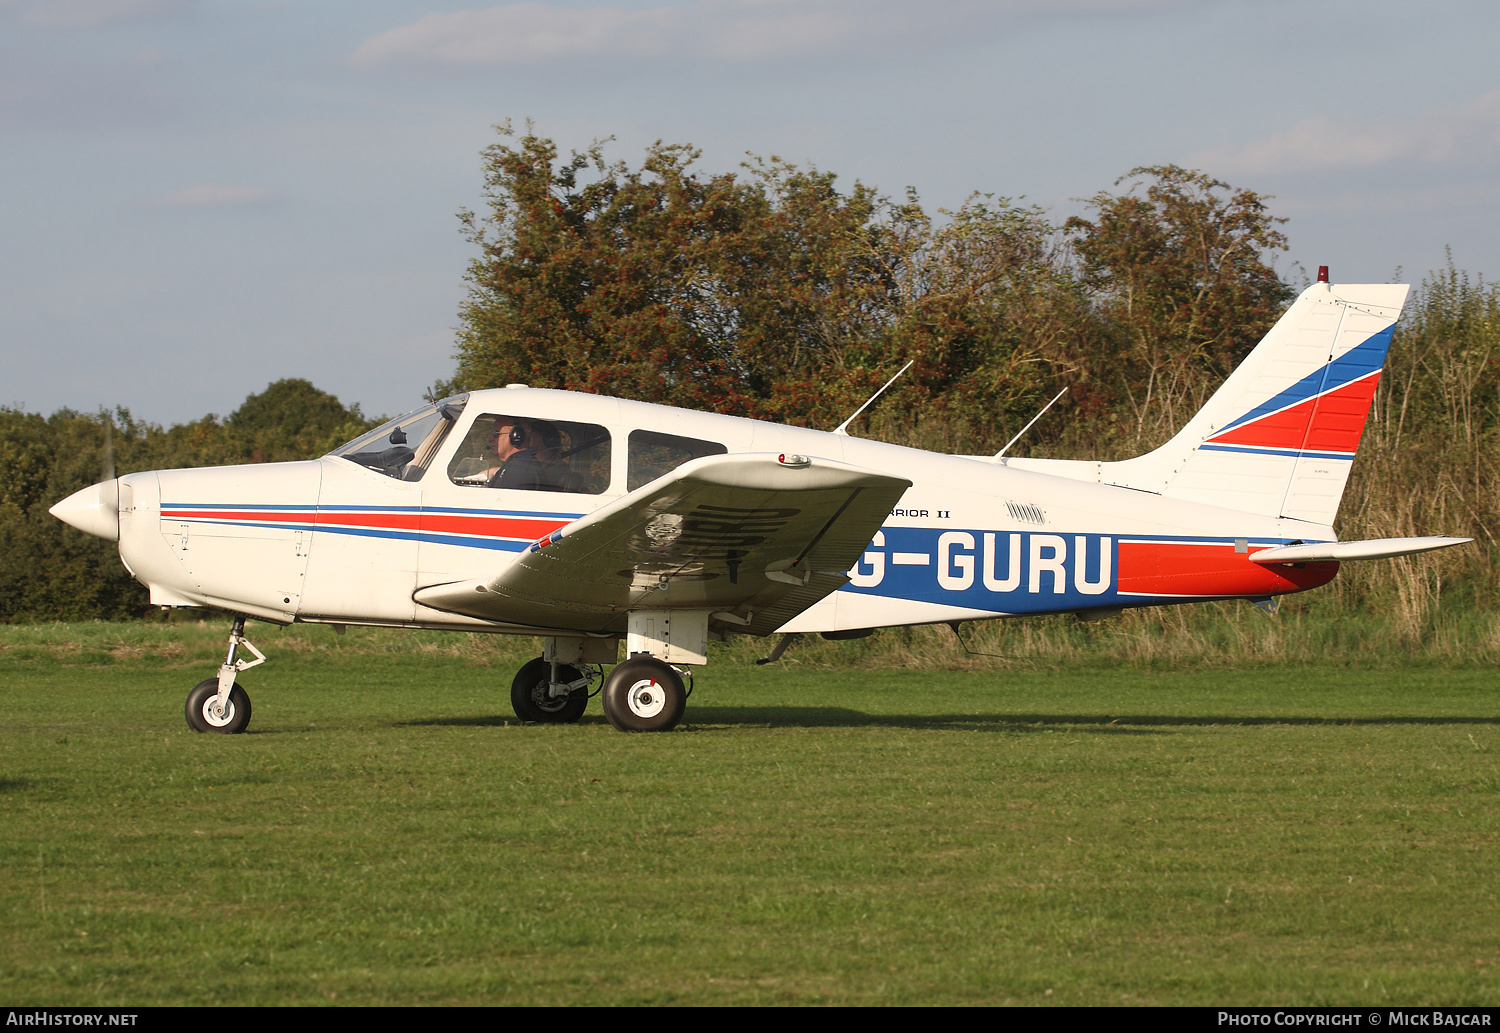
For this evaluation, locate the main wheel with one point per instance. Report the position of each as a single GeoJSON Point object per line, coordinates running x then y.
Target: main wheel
{"type": "Point", "coordinates": [644, 695]}
{"type": "Point", "coordinates": [203, 713]}
{"type": "Point", "coordinates": [533, 703]}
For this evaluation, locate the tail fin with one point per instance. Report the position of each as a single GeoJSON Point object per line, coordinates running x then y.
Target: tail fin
{"type": "Point", "coordinates": [1278, 437]}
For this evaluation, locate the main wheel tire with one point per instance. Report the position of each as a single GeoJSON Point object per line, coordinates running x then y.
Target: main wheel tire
{"type": "Point", "coordinates": [203, 714]}
{"type": "Point", "coordinates": [644, 695]}
{"type": "Point", "coordinates": [529, 697]}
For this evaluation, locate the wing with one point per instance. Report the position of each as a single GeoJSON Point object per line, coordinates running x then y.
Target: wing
{"type": "Point", "coordinates": [754, 538]}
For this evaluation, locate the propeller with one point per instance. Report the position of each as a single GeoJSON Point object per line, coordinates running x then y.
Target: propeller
{"type": "Point", "coordinates": [108, 473]}
{"type": "Point", "coordinates": [95, 510]}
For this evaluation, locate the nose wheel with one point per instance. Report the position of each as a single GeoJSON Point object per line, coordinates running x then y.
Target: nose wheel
{"type": "Point", "coordinates": [644, 695]}
{"type": "Point", "coordinates": [205, 712]}
{"type": "Point", "coordinates": [219, 704]}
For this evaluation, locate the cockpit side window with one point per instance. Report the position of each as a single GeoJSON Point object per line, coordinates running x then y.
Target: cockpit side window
{"type": "Point", "coordinates": [651, 454]}
{"type": "Point", "coordinates": [528, 453]}
{"type": "Point", "coordinates": [405, 447]}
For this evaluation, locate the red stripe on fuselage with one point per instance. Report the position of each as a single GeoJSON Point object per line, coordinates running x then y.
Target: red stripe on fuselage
{"type": "Point", "coordinates": [520, 528]}
{"type": "Point", "coordinates": [1181, 568]}
{"type": "Point", "coordinates": [527, 528]}
{"type": "Point", "coordinates": [384, 521]}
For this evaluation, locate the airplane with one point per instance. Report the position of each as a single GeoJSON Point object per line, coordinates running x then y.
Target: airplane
{"type": "Point", "coordinates": [597, 523]}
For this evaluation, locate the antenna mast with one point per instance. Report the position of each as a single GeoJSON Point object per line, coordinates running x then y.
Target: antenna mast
{"type": "Point", "coordinates": [1024, 429]}
{"type": "Point", "coordinates": [843, 428]}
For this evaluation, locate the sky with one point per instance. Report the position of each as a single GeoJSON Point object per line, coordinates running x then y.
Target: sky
{"type": "Point", "coordinates": [204, 196]}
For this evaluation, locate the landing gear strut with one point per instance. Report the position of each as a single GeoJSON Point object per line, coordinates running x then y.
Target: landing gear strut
{"type": "Point", "coordinates": [219, 704]}
{"type": "Point", "coordinates": [646, 693]}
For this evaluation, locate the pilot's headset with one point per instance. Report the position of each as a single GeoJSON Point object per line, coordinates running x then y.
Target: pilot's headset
{"type": "Point", "coordinates": [517, 431]}
{"type": "Point", "coordinates": [551, 439]}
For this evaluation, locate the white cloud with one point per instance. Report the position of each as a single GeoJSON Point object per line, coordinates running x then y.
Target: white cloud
{"type": "Point", "coordinates": [533, 33]}
{"type": "Point", "coordinates": [85, 14]}
{"type": "Point", "coordinates": [523, 32]}
{"type": "Point", "coordinates": [212, 194]}
{"type": "Point", "coordinates": [1441, 136]}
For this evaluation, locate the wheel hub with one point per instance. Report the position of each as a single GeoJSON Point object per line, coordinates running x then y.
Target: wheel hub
{"type": "Point", "coordinates": [543, 698]}
{"type": "Point", "coordinates": [217, 714]}
{"type": "Point", "coordinates": [645, 698]}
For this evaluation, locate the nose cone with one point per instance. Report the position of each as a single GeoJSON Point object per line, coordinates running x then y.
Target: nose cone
{"type": "Point", "coordinates": [95, 510]}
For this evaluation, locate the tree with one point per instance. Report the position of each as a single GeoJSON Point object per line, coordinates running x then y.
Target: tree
{"type": "Point", "coordinates": [739, 295]}
{"type": "Point", "coordinates": [49, 571]}
{"type": "Point", "coordinates": [770, 293]}
{"type": "Point", "coordinates": [586, 285]}
{"type": "Point", "coordinates": [992, 314]}
{"type": "Point", "coordinates": [1180, 263]}
{"type": "Point", "coordinates": [291, 419]}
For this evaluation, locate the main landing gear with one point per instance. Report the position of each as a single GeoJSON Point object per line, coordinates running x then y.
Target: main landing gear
{"type": "Point", "coordinates": [219, 704]}
{"type": "Point", "coordinates": [646, 693]}
{"type": "Point", "coordinates": [551, 693]}
{"type": "Point", "coordinates": [643, 694]}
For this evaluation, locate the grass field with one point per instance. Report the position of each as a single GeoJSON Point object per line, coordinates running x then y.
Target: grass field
{"type": "Point", "coordinates": [970, 833]}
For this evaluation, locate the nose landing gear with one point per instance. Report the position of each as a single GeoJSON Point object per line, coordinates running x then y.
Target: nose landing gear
{"type": "Point", "coordinates": [219, 704]}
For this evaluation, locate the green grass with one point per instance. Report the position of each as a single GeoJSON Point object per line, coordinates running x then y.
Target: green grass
{"type": "Point", "coordinates": [969, 832]}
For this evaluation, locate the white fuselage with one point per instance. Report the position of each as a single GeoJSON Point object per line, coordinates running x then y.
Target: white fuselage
{"type": "Point", "coordinates": [331, 540]}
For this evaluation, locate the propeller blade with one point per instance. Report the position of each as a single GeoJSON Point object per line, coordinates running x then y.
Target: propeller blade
{"type": "Point", "coordinates": [109, 448]}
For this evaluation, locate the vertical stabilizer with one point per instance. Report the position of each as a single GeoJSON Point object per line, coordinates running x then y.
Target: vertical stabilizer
{"type": "Point", "coordinates": [1279, 436]}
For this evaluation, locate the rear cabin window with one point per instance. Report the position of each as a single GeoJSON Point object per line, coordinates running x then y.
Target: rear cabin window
{"type": "Point", "coordinates": [527, 453]}
{"type": "Point", "coordinates": [652, 454]}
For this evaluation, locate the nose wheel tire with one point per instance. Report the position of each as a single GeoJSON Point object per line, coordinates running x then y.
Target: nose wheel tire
{"type": "Point", "coordinates": [533, 703]}
{"type": "Point", "coordinates": [644, 695]}
{"type": "Point", "coordinates": [203, 713]}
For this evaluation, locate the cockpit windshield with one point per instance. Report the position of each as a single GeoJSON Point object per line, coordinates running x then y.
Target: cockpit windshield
{"type": "Point", "coordinates": [404, 447]}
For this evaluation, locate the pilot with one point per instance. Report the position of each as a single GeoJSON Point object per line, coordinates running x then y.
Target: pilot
{"type": "Point", "coordinates": [528, 451]}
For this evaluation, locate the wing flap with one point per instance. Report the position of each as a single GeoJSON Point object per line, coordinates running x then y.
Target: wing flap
{"type": "Point", "coordinates": [762, 537]}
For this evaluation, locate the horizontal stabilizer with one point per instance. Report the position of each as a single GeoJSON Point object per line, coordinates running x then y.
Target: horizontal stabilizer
{"type": "Point", "coordinates": [1370, 549]}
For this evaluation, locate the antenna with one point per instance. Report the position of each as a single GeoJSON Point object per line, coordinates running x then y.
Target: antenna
{"type": "Point", "coordinates": [843, 428]}
{"type": "Point", "coordinates": [1024, 429]}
